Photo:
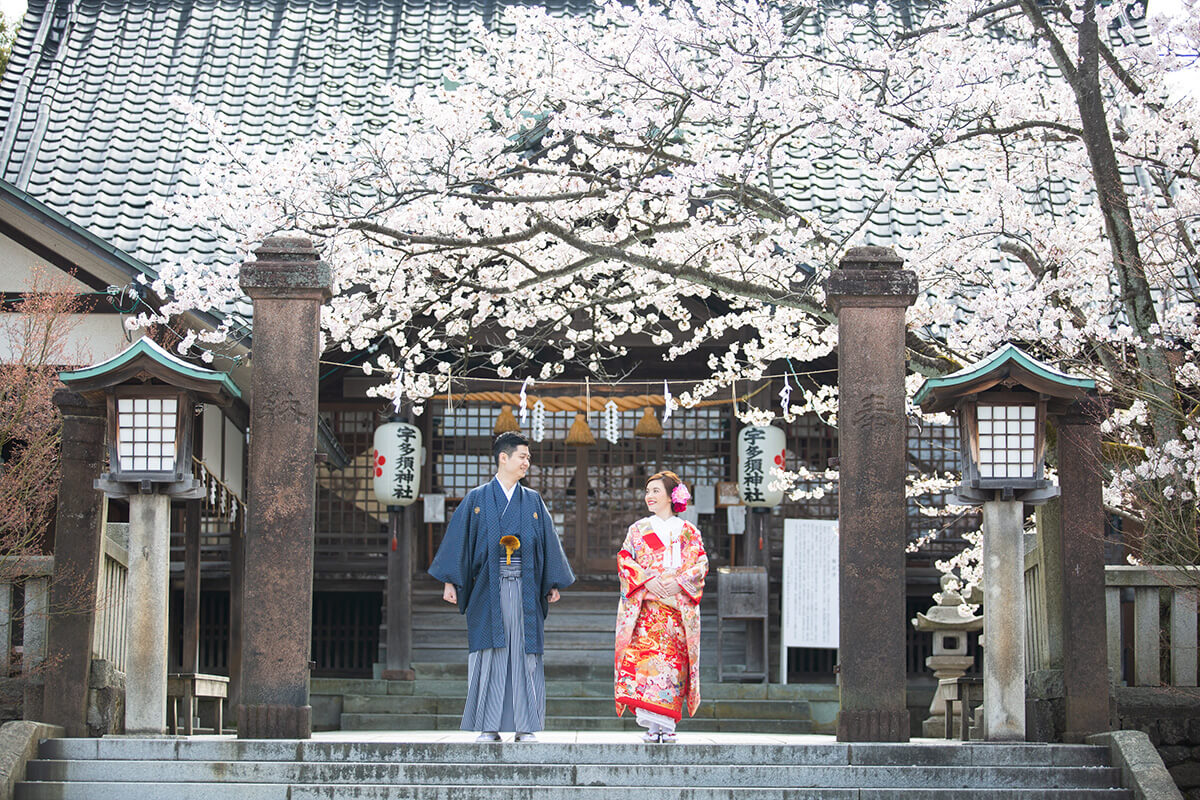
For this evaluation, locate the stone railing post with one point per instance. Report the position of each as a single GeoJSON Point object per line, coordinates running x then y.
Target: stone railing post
{"type": "Point", "coordinates": [288, 283]}
{"type": "Point", "coordinates": [870, 292]}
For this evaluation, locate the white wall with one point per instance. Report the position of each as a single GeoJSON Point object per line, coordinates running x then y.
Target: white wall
{"type": "Point", "coordinates": [17, 265]}
{"type": "Point", "coordinates": [224, 447]}
{"type": "Point", "coordinates": [235, 451]}
{"type": "Point", "coordinates": [93, 337]}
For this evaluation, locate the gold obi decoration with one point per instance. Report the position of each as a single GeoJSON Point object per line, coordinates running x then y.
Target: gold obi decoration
{"type": "Point", "coordinates": [509, 543]}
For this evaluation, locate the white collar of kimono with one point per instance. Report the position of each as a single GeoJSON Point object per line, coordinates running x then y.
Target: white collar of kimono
{"type": "Point", "coordinates": [669, 530]}
{"type": "Point", "coordinates": [670, 526]}
{"type": "Point", "coordinates": [508, 491]}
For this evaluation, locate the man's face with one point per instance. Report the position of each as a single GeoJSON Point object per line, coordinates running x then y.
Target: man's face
{"type": "Point", "coordinates": [515, 464]}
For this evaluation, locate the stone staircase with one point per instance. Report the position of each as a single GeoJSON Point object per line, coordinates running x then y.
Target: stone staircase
{"type": "Point", "coordinates": [579, 698]}
{"type": "Point", "coordinates": [579, 629]}
{"type": "Point", "coordinates": [225, 769]}
{"type": "Point", "coordinates": [579, 674]}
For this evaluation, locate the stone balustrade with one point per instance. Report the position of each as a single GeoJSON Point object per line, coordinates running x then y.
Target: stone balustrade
{"type": "Point", "coordinates": [33, 573]}
{"type": "Point", "coordinates": [1153, 589]}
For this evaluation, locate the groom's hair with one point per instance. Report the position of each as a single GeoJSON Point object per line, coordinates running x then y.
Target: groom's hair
{"type": "Point", "coordinates": [508, 442]}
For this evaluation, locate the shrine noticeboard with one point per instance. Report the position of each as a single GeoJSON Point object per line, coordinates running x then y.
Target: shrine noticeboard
{"type": "Point", "coordinates": [809, 600]}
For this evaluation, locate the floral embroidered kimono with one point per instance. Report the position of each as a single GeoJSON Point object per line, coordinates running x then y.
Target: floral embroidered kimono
{"type": "Point", "coordinates": [657, 660]}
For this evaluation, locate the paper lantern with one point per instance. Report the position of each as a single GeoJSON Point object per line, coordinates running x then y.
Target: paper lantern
{"type": "Point", "coordinates": [760, 453]}
{"type": "Point", "coordinates": [397, 463]}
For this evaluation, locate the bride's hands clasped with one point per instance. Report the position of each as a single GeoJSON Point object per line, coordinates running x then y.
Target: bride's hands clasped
{"type": "Point", "coordinates": [660, 586]}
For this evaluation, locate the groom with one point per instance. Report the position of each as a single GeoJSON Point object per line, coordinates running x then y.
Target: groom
{"type": "Point", "coordinates": [502, 563]}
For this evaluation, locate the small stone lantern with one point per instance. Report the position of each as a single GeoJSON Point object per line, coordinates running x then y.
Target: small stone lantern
{"type": "Point", "coordinates": [949, 662]}
{"type": "Point", "coordinates": [151, 396]}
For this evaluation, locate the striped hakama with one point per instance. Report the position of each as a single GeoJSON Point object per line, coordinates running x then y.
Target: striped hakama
{"type": "Point", "coordinates": [506, 687]}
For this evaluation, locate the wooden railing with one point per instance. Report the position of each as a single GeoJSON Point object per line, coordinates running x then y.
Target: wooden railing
{"type": "Point", "coordinates": [221, 508]}
{"type": "Point", "coordinates": [108, 639]}
{"type": "Point", "coordinates": [1141, 650]}
{"type": "Point", "coordinates": [25, 628]}
{"type": "Point", "coordinates": [222, 511]}
{"type": "Point", "coordinates": [1138, 645]}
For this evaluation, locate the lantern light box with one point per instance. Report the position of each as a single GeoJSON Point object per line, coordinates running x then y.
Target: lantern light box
{"type": "Point", "coordinates": [150, 395]}
{"type": "Point", "coordinates": [1002, 403]}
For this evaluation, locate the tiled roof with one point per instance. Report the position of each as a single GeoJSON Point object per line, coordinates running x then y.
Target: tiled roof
{"type": "Point", "coordinates": [88, 126]}
{"type": "Point", "coordinates": [89, 130]}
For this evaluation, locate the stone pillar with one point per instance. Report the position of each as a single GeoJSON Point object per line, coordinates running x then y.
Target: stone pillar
{"type": "Point", "coordinates": [1085, 659]}
{"type": "Point", "coordinates": [1004, 621]}
{"type": "Point", "coordinates": [288, 284]}
{"type": "Point", "coordinates": [870, 292]}
{"type": "Point", "coordinates": [79, 543]}
{"type": "Point", "coordinates": [146, 592]}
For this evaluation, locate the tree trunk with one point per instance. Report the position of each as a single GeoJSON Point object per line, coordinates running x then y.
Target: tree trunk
{"type": "Point", "coordinates": [1155, 380]}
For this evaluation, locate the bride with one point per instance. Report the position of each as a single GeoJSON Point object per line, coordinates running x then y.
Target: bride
{"type": "Point", "coordinates": [662, 567]}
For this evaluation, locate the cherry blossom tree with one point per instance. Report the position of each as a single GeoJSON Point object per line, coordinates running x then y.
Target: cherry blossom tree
{"type": "Point", "coordinates": [35, 334]}
{"type": "Point", "coordinates": [690, 172]}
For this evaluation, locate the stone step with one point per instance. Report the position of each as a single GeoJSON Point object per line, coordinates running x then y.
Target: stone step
{"type": "Point", "coordinates": [597, 656]}
{"type": "Point", "coordinates": [575, 706]}
{"type": "Point", "coordinates": [533, 774]}
{"type": "Point", "coordinates": [606, 722]}
{"type": "Point", "coordinates": [317, 750]}
{"type": "Point", "coordinates": [213, 768]}
{"type": "Point", "coordinates": [575, 670]}
{"type": "Point", "coordinates": [455, 687]}
{"type": "Point", "coordinates": [456, 791]}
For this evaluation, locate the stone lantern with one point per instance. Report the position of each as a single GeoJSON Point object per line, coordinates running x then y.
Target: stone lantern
{"type": "Point", "coordinates": [1002, 403]}
{"type": "Point", "coordinates": [151, 397]}
{"type": "Point", "coordinates": [949, 662]}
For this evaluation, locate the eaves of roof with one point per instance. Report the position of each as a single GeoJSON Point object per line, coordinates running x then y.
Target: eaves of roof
{"type": "Point", "coordinates": [72, 248]}
{"type": "Point", "coordinates": [146, 355]}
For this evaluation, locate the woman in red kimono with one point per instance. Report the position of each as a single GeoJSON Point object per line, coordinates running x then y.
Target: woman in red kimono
{"type": "Point", "coordinates": [662, 567]}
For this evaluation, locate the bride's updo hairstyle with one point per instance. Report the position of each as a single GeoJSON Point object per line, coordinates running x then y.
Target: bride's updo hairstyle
{"type": "Point", "coordinates": [670, 482]}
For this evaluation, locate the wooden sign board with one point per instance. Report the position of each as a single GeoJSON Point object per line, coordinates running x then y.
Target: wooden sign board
{"type": "Point", "coordinates": [727, 494]}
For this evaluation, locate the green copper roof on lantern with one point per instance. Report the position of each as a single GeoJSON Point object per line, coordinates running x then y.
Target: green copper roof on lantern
{"type": "Point", "coordinates": [145, 355]}
{"type": "Point", "coordinates": [1009, 362]}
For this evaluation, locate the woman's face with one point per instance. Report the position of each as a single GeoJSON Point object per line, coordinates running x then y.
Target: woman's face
{"type": "Point", "coordinates": [657, 499]}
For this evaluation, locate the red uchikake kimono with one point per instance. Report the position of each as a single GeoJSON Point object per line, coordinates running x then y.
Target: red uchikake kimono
{"type": "Point", "coordinates": [657, 659]}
